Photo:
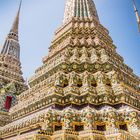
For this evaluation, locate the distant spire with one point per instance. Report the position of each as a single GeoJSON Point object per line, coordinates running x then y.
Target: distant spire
{"type": "Point", "coordinates": [80, 9]}
{"type": "Point", "coordinates": [12, 47]}
{"type": "Point", "coordinates": [137, 14]}
{"type": "Point", "coordinates": [15, 27]}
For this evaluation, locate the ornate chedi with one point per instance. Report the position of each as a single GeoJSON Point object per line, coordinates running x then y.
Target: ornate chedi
{"type": "Point", "coordinates": [83, 90]}
{"type": "Point", "coordinates": [10, 66]}
{"type": "Point", "coordinates": [11, 80]}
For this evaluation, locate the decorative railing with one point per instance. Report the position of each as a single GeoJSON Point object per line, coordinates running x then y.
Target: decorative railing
{"type": "Point", "coordinates": [66, 131]}
{"type": "Point", "coordinates": [91, 131]}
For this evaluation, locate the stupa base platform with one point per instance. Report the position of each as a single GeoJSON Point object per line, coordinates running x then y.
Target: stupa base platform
{"type": "Point", "coordinates": [73, 135]}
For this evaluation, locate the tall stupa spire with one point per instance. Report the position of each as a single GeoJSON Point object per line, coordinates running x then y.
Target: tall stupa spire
{"type": "Point", "coordinates": [137, 14]}
{"type": "Point", "coordinates": [10, 65]}
{"type": "Point", "coordinates": [12, 38]}
{"type": "Point", "coordinates": [80, 9]}
{"type": "Point", "coordinates": [15, 25]}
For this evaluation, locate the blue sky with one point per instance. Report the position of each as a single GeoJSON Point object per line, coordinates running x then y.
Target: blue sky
{"type": "Point", "coordinates": [40, 18]}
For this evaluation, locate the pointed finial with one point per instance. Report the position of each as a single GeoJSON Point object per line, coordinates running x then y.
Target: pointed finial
{"type": "Point", "coordinates": [137, 14]}
{"type": "Point", "coordinates": [134, 4]}
{"type": "Point", "coordinates": [16, 22]}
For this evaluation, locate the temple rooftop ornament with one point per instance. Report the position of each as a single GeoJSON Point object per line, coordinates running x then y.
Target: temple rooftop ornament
{"type": "Point", "coordinates": [137, 14]}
